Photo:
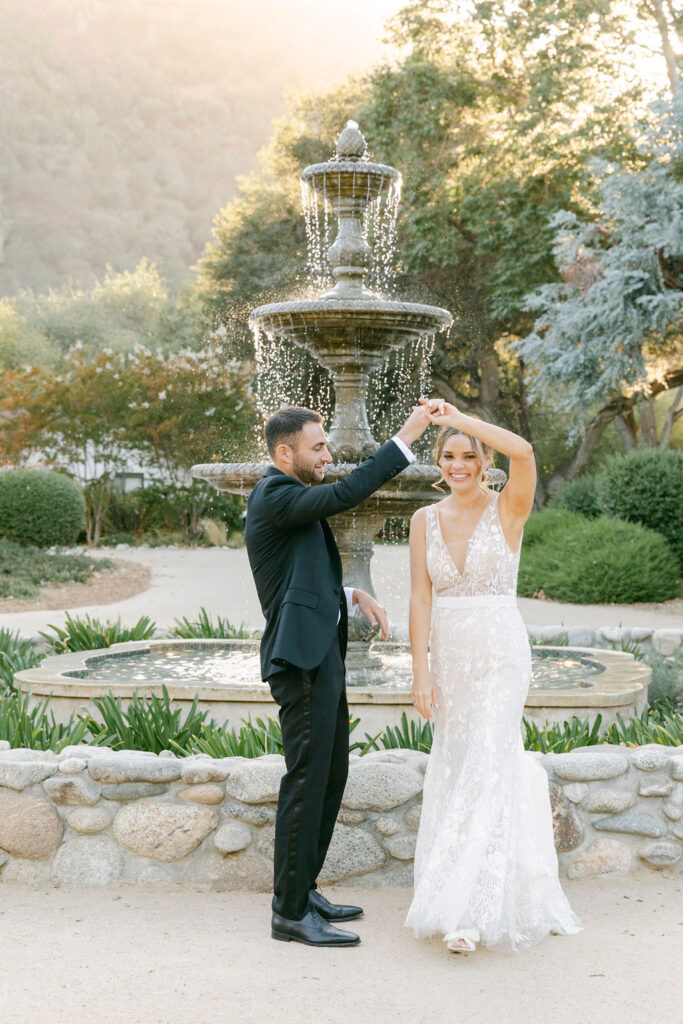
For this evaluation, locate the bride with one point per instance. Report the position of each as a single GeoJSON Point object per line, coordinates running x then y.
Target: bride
{"type": "Point", "coordinates": [485, 864]}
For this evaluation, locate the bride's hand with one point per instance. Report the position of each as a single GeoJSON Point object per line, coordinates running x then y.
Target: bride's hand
{"type": "Point", "coordinates": [440, 411]}
{"type": "Point", "coordinates": [424, 694]}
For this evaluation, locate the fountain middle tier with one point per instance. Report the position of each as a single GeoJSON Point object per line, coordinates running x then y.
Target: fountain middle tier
{"type": "Point", "coordinates": [350, 338]}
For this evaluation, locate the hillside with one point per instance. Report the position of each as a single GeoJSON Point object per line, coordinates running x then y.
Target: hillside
{"type": "Point", "coordinates": [124, 123]}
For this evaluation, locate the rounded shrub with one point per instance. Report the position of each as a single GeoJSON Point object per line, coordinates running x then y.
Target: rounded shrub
{"type": "Point", "coordinates": [40, 508]}
{"type": "Point", "coordinates": [645, 486]}
{"type": "Point", "coordinates": [595, 561]}
{"type": "Point", "coordinates": [580, 495]}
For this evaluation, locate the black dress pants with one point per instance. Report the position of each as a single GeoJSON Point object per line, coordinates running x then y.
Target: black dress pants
{"type": "Point", "coordinates": [314, 717]}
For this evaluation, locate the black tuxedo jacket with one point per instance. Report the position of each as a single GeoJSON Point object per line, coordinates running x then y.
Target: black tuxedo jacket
{"type": "Point", "coordinates": [295, 560]}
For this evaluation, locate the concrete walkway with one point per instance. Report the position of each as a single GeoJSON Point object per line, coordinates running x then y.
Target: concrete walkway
{"type": "Point", "coordinates": [133, 955]}
{"type": "Point", "coordinates": [184, 580]}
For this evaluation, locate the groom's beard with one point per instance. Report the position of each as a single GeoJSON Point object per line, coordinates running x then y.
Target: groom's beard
{"type": "Point", "coordinates": [305, 473]}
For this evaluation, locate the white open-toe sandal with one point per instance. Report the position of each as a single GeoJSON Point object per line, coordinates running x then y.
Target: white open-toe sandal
{"type": "Point", "coordinates": [461, 945]}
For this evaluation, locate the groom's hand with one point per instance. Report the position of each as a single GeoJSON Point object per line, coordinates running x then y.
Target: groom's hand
{"type": "Point", "coordinates": [372, 610]}
{"type": "Point", "coordinates": [415, 425]}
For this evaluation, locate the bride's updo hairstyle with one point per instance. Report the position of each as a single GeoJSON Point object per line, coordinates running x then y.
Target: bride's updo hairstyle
{"type": "Point", "coordinates": [482, 451]}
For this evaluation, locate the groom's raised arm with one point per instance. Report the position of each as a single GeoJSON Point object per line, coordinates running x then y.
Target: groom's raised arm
{"type": "Point", "coordinates": [287, 503]}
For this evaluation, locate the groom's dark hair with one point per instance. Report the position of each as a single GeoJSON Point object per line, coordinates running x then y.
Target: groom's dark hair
{"type": "Point", "coordinates": [285, 424]}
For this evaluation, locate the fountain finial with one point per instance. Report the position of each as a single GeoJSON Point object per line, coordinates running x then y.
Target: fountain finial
{"type": "Point", "coordinates": [350, 143]}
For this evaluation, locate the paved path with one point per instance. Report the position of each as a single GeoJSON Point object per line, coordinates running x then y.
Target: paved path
{"type": "Point", "coordinates": [134, 955]}
{"type": "Point", "coordinates": [218, 579]}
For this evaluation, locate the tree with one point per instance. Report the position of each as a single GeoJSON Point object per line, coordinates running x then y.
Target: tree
{"type": "Point", "coordinates": [103, 410]}
{"type": "Point", "coordinates": [609, 335]}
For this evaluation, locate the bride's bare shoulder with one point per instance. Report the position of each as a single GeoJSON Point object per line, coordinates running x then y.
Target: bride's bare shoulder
{"type": "Point", "coordinates": [418, 518]}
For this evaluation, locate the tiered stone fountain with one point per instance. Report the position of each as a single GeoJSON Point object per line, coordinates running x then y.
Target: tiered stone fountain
{"type": "Point", "coordinates": [350, 331]}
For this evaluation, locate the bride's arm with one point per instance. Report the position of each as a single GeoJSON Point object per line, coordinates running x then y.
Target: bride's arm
{"type": "Point", "coordinates": [517, 497]}
{"type": "Point", "coordinates": [419, 621]}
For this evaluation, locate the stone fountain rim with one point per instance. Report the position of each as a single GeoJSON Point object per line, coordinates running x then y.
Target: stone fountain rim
{"type": "Point", "coordinates": [417, 471]}
{"type": "Point", "coordinates": [349, 167]}
{"type": "Point", "coordinates": [352, 307]}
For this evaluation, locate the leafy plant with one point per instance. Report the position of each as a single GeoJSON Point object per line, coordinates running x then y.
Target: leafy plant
{"type": "Point", "coordinates": [147, 723]}
{"type": "Point", "coordinates": [595, 561]}
{"type": "Point", "coordinates": [89, 634]}
{"type": "Point", "coordinates": [660, 723]}
{"type": "Point", "coordinates": [580, 496]}
{"type": "Point", "coordinates": [411, 735]}
{"type": "Point", "coordinates": [33, 727]}
{"type": "Point", "coordinates": [23, 570]}
{"type": "Point", "coordinates": [204, 627]}
{"type": "Point", "coordinates": [40, 507]}
{"type": "Point", "coordinates": [667, 678]}
{"type": "Point", "coordinates": [559, 738]}
{"type": "Point", "coordinates": [15, 654]}
{"type": "Point", "coordinates": [252, 740]}
{"type": "Point", "coordinates": [645, 486]}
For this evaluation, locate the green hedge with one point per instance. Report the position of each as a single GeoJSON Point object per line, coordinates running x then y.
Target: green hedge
{"type": "Point", "coordinates": [40, 508]}
{"type": "Point", "coordinates": [595, 561]}
{"type": "Point", "coordinates": [645, 486]}
{"type": "Point", "coordinates": [580, 495]}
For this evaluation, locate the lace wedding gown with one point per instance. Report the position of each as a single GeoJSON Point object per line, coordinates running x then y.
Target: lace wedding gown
{"type": "Point", "coordinates": [485, 863]}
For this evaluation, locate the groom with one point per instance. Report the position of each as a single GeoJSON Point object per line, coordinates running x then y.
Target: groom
{"type": "Point", "coordinates": [298, 576]}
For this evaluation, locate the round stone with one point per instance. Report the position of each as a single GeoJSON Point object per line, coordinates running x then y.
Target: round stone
{"type": "Point", "coordinates": [677, 768]}
{"type": "Point", "coordinates": [124, 791]}
{"type": "Point", "coordinates": [30, 827]}
{"type": "Point", "coordinates": [19, 774]}
{"type": "Point", "coordinates": [377, 786]}
{"type": "Point", "coordinates": [232, 837]}
{"type": "Point", "coordinates": [603, 857]}
{"type": "Point", "coordinates": [575, 791]}
{"type": "Point", "coordinates": [402, 847]}
{"type": "Point", "coordinates": [566, 826]}
{"type": "Point", "coordinates": [89, 819]}
{"type": "Point", "coordinates": [347, 817]}
{"type": "Point", "coordinates": [198, 772]}
{"type": "Point", "coordinates": [252, 814]}
{"type": "Point", "coordinates": [412, 817]}
{"type": "Point", "coordinates": [134, 768]}
{"type": "Point", "coordinates": [580, 767]}
{"type": "Point", "coordinates": [153, 874]}
{"type": "Point", "coordinates": [203, 793]}
{"type": "Point", "coordinates": [87, 860]}
{"type": "Point", "coordinates": [353, 851]}
{"type": "Point", "coordinates": [163, 832]}
{"type": "Point", "coordinates": [255, 782]}
{"type": "Point", "coordinates": [266, 844]}
{"type": "Point", "coordinates": [632, 823]}
{"type": "Point", "coordinates": [72, 790]}
{"type": "Point", "coordinates": [648, 760]}
{"type": "Point", "coordinates": [73, 765]}
{"type": "Point", "coordinates": [660, 855]}
{"type": "Point", "coordinates": [387, 826]}
{"type": "Point", "coordinates": [656, 787]}
{"type": "Point", "coordinates": [27, 872]}
{"type": "Point", "coordinates": [608, 801]}
{"type": "Point", "coordinates": [673, 811]}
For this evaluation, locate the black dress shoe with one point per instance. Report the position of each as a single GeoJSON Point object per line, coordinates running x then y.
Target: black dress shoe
{"type": "Point", "coordinates": [332, 911]}
{"type": "Point", "coordinates": [312, 930]}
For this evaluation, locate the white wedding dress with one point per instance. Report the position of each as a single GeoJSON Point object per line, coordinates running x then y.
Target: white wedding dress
{"type": "Point", "coordinates": [485, 864]}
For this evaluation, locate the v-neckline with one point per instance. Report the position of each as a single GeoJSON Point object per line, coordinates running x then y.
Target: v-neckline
{"type": "Point", "coordinates": [469, 539]}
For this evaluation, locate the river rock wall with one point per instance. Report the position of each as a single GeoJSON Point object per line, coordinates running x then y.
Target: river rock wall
{"type": "Point", "coordinates": [91, 816]}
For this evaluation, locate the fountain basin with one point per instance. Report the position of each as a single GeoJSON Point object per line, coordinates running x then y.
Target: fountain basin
{"type": "Point", "coordinates": [224, 675]}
